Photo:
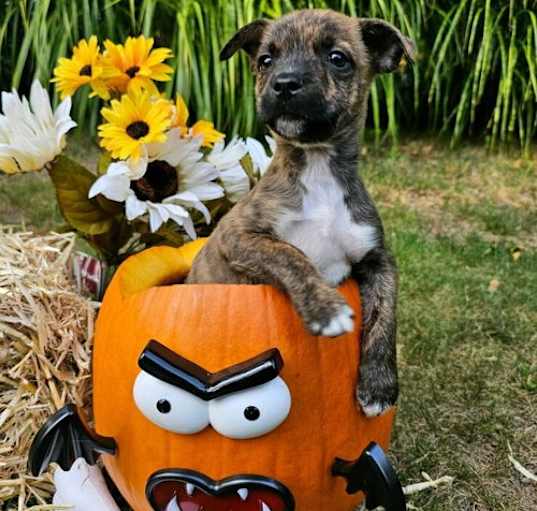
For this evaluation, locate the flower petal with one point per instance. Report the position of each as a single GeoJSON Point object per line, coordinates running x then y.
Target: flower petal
{"type": "Point", "coordinates": [228, 157]}
{"type": "Point", "coordinates": [134, 207]}
{"type": "Point", "coordinates": [188, 226]}
{"type": "Point", "coordinates": [197, 173]}
{"type": "Point", "coordinates": [257, 152]}
{"type": "Point", "coordinates": [236, 182]}
{"type": "Point", "coordinates": [207, 191]}
{"type": "Point", "coordinates": [157, 216]}
{"type": "Point", "coordinates": [175, 150]}
{"type": "Point", "coordinates": [190, 199]}
{"type": "Point", "coordinates": [271, 143]}
{"type": "Point", "coordinates": [115, 187]}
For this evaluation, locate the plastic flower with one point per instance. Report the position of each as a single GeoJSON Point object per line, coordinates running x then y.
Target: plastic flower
{"type": "Point", "coordinates": [260, 158]}
{"type": "Point", "coordinates": [203, 129]}
{"type": "Point", "coordinates": [136, 65]}
{"type": "Point", "coordinates": [84, 67]}
{"type": "Point", "coordinates": [167, 179]}
{"type": "Point", "coordinates": [227, 160]}
{"type": "Point", "coordinates": [31, 134]}
{"type": "Point", "coordinates": [135, 120]}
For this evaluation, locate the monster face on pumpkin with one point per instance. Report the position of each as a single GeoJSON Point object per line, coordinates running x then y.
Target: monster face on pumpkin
{"type": "Point", "coordinates": [246, 400]}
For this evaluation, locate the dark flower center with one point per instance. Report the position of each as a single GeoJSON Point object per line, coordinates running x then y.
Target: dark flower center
{"type": "Point", "coordinates": [137, 129]}
{"type": "Point", "coordinates": [85, 71]}
{"type": "Point", "coordinates": [159, 181]}
{"type": "Point", "coordinates": [131, 72]}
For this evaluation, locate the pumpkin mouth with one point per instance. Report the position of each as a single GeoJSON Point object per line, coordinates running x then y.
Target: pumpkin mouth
{"type": "Point", "coordinates": [188, 490]}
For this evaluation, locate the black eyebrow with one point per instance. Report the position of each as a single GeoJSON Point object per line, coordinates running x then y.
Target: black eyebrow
{"type": "Point", "coordinates": [168, 366]}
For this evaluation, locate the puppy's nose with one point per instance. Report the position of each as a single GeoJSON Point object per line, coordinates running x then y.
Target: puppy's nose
{"type": "Point", "coordinates": [287, 84]}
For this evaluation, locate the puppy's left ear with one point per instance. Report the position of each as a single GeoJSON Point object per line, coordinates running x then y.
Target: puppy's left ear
{"type": "Point", "coordinates": [248, 38]}
{"type": "Point", "coordinates": [385, 45]}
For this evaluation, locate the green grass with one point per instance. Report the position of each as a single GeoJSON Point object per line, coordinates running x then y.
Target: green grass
{"type": "Point", "coordinates": [467, 353]}
{"type": "Point", "coordinates": [504, 219]}
{"type": "Point", "coordinates": [457, 221]}
{"type": "Point", "coordinates": [28, 200]}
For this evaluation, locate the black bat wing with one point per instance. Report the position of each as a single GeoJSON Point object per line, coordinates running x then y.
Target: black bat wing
{"type": "Point", "coordinates": [373, 474]}
{"type": "Point", "coordinates": [64, 438]}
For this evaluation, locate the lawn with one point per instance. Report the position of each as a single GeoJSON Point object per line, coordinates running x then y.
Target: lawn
{"type": "Point", "coordinates": [462, 226]}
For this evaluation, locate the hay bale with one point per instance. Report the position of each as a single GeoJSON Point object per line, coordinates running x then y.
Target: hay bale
{"type": "Point", "coordinates": [46, 329]}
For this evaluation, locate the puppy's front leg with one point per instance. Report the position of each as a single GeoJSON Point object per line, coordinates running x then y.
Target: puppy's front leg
{"type": "Point", "coordinates": [270, 261]}
{"type": "Point", "coordinates": [377, 386]}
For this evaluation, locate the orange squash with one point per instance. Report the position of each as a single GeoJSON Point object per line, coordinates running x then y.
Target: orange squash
{"type": "Point", "coordinates": [217, 326]}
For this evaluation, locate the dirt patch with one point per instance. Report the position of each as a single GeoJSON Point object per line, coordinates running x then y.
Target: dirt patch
{"type": "Point", "coordinates": [436, 209]}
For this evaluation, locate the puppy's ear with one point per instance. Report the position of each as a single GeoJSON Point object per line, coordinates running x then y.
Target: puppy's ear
{"type": "Point", "coordinates": [385, 45]}
{"type": "Point", "coordinates": [247, 38]}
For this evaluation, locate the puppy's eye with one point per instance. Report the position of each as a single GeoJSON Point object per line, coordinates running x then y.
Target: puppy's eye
{"type": "Point", "coordinates": [338, 59]}
{"type": "Point", "coordinates": [264, 61]}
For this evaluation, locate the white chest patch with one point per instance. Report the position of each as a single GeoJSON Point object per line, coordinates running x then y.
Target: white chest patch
{"type": "Point", "coordinates": [323, 228]}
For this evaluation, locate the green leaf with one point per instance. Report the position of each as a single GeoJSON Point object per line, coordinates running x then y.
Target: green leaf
{"type": "Point", "coordinates": [103, 163]}
{"type": "Point", "coordinates": [72, 182]}
{"type": "Point", "coordinates": [112, 241]}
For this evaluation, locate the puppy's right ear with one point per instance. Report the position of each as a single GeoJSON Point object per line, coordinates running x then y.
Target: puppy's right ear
{"type": "Point", "coordinates": [248, 38]}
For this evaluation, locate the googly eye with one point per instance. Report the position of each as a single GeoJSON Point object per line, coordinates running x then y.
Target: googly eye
{"type": "Point", "coordinates": [253, 412]}
{"type": "Point", "coordinates": [169, 407]}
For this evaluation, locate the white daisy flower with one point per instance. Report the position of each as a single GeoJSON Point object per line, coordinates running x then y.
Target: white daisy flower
{"type": "Point", "coordinates": [31, 134]}
{"type": "Point", "coordinates": [167, 179]}
{"type": "Point", "coordinates": [227, 160]}
{"type": "Point", "coordinates": [260, 158]}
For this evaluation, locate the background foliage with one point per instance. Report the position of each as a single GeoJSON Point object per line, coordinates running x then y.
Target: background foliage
{"type": "Point", "coordinates": [475, 76]}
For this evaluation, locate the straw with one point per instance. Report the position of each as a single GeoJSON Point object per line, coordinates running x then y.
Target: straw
{"type": "Point", "coordinates": [45, 352]}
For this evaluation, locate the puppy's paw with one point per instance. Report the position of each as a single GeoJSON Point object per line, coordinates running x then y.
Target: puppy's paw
{"type": "Point", "coordinates": [377, 390]}
{"type": "Point", "coordinates": [338, 324]}
{"type": "Point", "coordinates": [327, 313]}
{"type": "Point", "coordinates": [374, 409]}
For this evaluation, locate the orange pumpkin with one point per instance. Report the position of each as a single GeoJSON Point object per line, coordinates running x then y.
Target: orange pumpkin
{"type": "Point", "coordinates": [218, 326]}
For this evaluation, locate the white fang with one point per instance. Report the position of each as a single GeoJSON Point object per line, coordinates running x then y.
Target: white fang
{"type": "Point", "coordinates": [264, 507]}
{"type": "Point", "coordinates": [189, 488]}
{"type": "Point", "coordinates": [173, 505]}
{"type": "Point", "coordinates": [243, 493]}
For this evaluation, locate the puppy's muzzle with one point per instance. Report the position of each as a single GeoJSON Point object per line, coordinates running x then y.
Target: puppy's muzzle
{"type": "Point", "coordinates": [287, 84]}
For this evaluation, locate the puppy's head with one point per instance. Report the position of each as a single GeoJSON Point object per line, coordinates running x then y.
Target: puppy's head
{"type": "Point", "coordinates": [314, 67]}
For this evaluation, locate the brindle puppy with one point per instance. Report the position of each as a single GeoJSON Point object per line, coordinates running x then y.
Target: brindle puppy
{"type": "Point", "coordinates": [310, 223]}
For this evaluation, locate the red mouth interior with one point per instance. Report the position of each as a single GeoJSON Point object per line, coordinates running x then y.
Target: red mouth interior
{"type": "Point", "coordinates": [173, 496]}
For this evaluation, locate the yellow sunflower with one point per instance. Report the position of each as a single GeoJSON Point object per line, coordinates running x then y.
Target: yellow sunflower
{"type": "Point", "coordinates": [133, 121]}
{"type": "Point", "coordinates": [84, 67]}
{"type": "Point", "coordinates": [201, 128]}
{"type": "Point", "coordinates": [136, 65]}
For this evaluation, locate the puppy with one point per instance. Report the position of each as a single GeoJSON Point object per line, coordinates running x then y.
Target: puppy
{"type": "Point", "coordinates": [309, 223]}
